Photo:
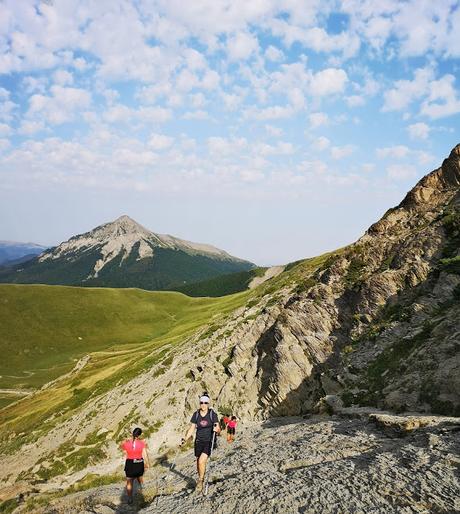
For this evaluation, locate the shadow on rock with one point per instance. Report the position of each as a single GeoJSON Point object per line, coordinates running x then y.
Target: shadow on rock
{"type": "Point", "coordinates": [169, 463]}
{"type": "Point", "coordinates": [139, 501]}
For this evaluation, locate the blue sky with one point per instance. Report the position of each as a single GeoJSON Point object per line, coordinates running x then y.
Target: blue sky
{"type": "Point", "coordinates": [275, 130]}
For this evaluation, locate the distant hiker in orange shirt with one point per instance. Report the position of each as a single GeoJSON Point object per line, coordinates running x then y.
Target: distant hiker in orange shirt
{"type": "Point", "coordinates": [231, 426]}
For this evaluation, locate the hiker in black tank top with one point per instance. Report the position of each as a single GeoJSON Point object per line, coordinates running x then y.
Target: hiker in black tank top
{"type": "Point", "coordinates": [204, 422]}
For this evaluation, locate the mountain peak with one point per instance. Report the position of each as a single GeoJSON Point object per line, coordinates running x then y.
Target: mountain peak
{"type": "Point", "coordinates": [124, 241]}
{"type": "Point", "coordinates": [127, 224]}
{"type": "Point", "coordinates": [124, 219]}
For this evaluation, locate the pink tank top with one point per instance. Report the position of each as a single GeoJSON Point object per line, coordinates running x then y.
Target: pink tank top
{"type": "Point", "coordinates": [133, 448]}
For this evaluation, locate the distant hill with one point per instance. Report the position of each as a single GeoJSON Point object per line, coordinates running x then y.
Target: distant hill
{"type": "Point", "coordinates": [123, 253]}
{"type": "Point", "coordinates": [12, 252]}
{"type": "Point", "coordinates": [223, 284]}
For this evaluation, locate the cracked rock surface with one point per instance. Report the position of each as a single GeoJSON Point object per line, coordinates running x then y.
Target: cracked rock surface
{"type": "Point", "coordinates": [370, 464]}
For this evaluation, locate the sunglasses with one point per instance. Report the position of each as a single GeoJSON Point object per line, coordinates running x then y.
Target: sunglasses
{"type": "Point", "coordinates": [204, 403]}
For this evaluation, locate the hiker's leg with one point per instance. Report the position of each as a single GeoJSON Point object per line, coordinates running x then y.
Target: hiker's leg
{"type": "Point", "coordinates": [129, 486]}
{"type": "Point", "coordinates": [202, 460]}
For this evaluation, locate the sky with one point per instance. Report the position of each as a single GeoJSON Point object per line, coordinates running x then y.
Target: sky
{"type": "Point", "coordinates": [274, 129]}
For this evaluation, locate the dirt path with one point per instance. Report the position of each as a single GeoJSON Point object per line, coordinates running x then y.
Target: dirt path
{"type": "Point", "coordinates": [270, 273]}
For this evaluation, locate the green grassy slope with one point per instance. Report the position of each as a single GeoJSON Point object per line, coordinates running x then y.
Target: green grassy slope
{"type": "Point", "coordinates": [43, 329]}
{"type": "Point", "coordinates": [124, 331]}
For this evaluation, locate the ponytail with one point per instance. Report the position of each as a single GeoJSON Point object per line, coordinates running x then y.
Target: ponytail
{"type": "Point", "coordinates": [137, 432]}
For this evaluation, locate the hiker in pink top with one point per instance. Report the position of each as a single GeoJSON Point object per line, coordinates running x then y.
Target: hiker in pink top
{"type": "Point", "coordinates": [137, 460]}
{"type": "Point", "coordinates": [231, 426]}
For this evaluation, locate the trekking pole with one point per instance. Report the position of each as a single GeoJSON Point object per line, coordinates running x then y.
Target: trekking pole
{"type": "Point", "coordinates": [173, 460]}
{"type": "Point", "coordinates": [208, 467]}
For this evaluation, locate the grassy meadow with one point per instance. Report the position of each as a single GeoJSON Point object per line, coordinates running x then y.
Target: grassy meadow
{"type": "Point", "coordinates": [45, 330]}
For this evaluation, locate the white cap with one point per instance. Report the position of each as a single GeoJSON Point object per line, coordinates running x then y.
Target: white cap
{"type": "Point", "coordinates": [204, 398]}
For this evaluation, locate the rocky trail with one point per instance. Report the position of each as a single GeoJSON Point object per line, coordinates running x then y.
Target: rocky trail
{"type": "Point", "coordinates": [360, 462]}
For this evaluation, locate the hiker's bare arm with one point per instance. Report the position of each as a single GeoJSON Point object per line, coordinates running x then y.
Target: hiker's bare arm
{"type": "Point", "coordinates": [145, 456]}
{"type": "Point", "coordinates": [216, 428]}
{"type": "Point", "coordinates": [190, 432]}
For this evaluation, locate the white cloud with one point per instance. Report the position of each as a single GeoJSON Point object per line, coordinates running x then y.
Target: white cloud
{"type": "Point", "coordinates": [328, 82]}
{"type": "Point", "coordinates": [62, 77]}
{"type": "Point", "coordinates": [5, 130]}
{"type": "Point", "coordinates": [241, 46]}
{"type": "Point", "coordinates": [442, 100]}
{"type": "Point", "coordinates": [273, 131]}
{"type": "Point", "coordinates": [418, 131]}
{"type": "Point", "coordinates": [197, 100]}
{"type": "Point", "coordinates": [281, 148]}
{"type": "Point", "coordinates": [28, 128]}
{"type": "Point", "coordinates": [195, 60]}
{"type": "Point", "coordinates": [318, 119]}
{"type": "Point", "coordinates": [125, 157]}
{"type": "Point", "coordinates": [398, 152]}
{"type": "Point", "coordinates": [7, 107]}
{"type": "Point", "coordinates": [424, 157]}
{"type": "Point", "coordinates": [296, 98]}
{"type": "Point", "coordinates": [224, 146]}
{"type": "Point", "coordinates": [196, 115]}
{"type": "Point", "coordinates": [315, 167]}
{"type": "Point", "coordinates": [5, 144]}
{"type": "Point", "coordinates": [406, 91]}
{"type": "Point", "coordinates": [251, 176]}
{"type": "Point", "coordinates": [315, 38]}
{"type": "Point", "coordinates": [4, 94]}
{"type": "Point", "coordinates": [274, 54]}
{"type": "Point", "coordinates": [232, 100]}
{"type": "Point", "coordinates": [35, 84]}
{"type": "Point", "coordinates": [339, 152]}
{"type": "Point", "coordinates": [210, 80]}
{"type": "Point", "coordinates": [160, 142]}
{"type": "Point", "coordinates": [120, 113]}
{"type": "Point", "coordinates": [367, 167]}
{"type": "Point", "coordinates": [62, 106]}
{"type": "Point", "coordinates": [401, 171]}
{"type": "Point", "coordinates": [355, 101]}
{"type": "Point", "coordinates": [321, 143]}
{"type": "Point", "coordinates": [111, 96]}
{"type": "Point", "coordinates": [274, 112]}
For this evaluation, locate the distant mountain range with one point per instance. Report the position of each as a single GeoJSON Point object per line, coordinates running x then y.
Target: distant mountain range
{"type": "Point", "coordinates": [123, 253]}
{"type": "Point", "coordinates": [12, 252]}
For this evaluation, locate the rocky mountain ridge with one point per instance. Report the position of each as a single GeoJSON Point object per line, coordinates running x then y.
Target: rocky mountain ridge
{"type": "Point", "coordinates": [123, 236]}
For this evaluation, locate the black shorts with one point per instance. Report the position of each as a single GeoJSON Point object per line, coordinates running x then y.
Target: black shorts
{"type": "Point", "coordinates": [231, 431]}
{"type": "Point", "coordinates": [204, 447]}
{"type": "Point", "coordinates": [134, 468]}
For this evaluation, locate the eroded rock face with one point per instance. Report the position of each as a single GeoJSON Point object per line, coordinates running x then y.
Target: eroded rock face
{"type": "Point", "coordinates": [380, 325]}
